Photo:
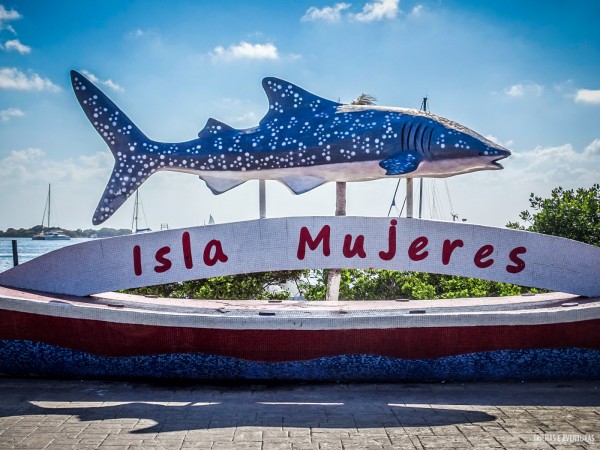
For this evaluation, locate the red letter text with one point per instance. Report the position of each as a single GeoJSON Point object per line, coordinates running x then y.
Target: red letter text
{"type": "Point", "coordinates": [358, 249]}
{"type": "Point", "coordinates": [187, 250]}
{"type": "Point", "coordinates": [218, 256]}
{"type": "Point", "coordinates": [386, 256]}
{"type": "Point", "coordinates": [165, 263]}
{"type": "Point", "coordinates": [306, 239]}
{"type": "Point", "coordinates": [414, 251]}
{"type": "Point", "coordinates": [514, 257]}
{"type": "Point", "coordinates": [137, 260]}
{"type": "Point", "coordinates": [449, 247]}
{"type": "Point", "coordinates": [483, 253]}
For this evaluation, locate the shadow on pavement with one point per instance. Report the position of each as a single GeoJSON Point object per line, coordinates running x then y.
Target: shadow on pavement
{"type": "Point", "coordinates": [176, 407]}
{"type": "Point", "coordinates": [291, 415]}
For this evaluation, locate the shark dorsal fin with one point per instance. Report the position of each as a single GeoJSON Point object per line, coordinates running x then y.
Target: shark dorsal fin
{"type": "Point", "coordinates": [286, 98]}
{"type": "Point", "coordinates": [213, 127]}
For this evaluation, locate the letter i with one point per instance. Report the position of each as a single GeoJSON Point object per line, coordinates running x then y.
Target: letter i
{"type": "Point", "coordinates": [137, 260]}
{"type": "Point", "coordinates": [187, 250]}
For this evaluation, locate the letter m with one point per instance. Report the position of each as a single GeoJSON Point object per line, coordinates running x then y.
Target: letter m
{"type": "Point", "coordinates": [307, 239]}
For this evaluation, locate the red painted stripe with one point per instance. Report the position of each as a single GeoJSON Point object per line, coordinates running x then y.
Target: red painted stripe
{"type": "Point", "coordinates": [117, 339]}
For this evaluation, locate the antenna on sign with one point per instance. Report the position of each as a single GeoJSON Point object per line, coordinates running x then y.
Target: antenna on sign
{"type": "Point", "coordinates": [424, 106]}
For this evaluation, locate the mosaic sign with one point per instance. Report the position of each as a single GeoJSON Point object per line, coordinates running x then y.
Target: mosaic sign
{"type": "Point", "coordinates": [496, 254]}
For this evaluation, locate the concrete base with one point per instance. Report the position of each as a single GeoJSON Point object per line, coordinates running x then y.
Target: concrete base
{"type": "Point", "coordinates": [114, 335]}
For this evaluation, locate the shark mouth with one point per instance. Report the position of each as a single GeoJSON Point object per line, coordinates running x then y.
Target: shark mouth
{"type": "Point", "coordinates": [495, 163]}
{"type": "Point", "coordinates": [493, 156]}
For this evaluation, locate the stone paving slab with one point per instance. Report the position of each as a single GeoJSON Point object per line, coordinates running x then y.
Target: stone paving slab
{"type": "Point", "coordinates": [67, 414]}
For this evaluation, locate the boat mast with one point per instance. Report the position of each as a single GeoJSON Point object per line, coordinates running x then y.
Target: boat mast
{"type": "Point", "coordinates": [134, 224]}
{"type": "Point", "coordinates": [48, 206]}
{"type": "Point", "coordinates": [137, 209]}
{"type": "Point", "coordinates": [45, 209]}
{"type": "Point", "coordinates": [135, 220]}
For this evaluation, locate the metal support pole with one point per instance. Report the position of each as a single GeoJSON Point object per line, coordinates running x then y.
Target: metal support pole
{"type": "Point", "coordinates": [15, 253]}
{"type": "Point", "coordinates": [409, 198]}
{"type": "Point", "coordinates": [262, 198]}
{"type": "Point", "coordinates": [420, 197]}
{"type": "Point", "coordinates": [340, 198]}
{"type": "Point", "coordinates": [334, 275]}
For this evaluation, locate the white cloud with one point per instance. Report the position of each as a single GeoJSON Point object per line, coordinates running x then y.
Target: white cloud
{"type": "Point", "coordinates": [5, 26]}
{"type": "Point", "coordinates": [13, 78]}
{"type": "Point", "coordinates": [29, 154]}
{"type": "Point", "coordinates": [503, 194]}
{"type": "Point", "coordinates": [588, 96]}
{"type": "Point", "coordinates": [246, 120]}
{"type": "Point", "coordinates": [30, 164]}
{"type": "Point", "coordinates": [327, 14]}
{"type": "Point", "coordinates": [522, 89]}
{"type": "Point", "coordinates": [593, 149]}
{"type": "Point", "coordinates": [245, 50]}
{"type": "Point", "coordinates": [557, 166]}
{"type": "Point", "coordinates": [565, 87]}
{"type": "Point", "coordinates": [17, 164]}
{"type": "Point", "coordinates": [17, 46]}
{"type": "Point", "coordinates": [138, 33]}
{"type": "Point", "coordinates": [238, 113]}
{"type": "Point", "coordinates": [108, 83]}
{"type": "Point", "coordinates": [416, 10]}
{"type": "Point", "coordinates": [6, 15]}
{"type": "Point", "coordinates": [7, 114]}
{"type": "Point", "coordinates": [76, 184]}
{"type": "Point", "coordinates": [378, 10]}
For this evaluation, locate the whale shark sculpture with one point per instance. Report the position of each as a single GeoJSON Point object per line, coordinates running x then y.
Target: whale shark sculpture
{"type": "Point", "coordinates": [303, 141]}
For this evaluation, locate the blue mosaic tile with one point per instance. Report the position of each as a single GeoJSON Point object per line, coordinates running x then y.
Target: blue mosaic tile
{"type": "Point", "coordinates": [21, 357]}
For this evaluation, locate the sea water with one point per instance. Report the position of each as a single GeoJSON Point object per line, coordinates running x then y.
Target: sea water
{"type": "Point", "coordinates": [28, 249]}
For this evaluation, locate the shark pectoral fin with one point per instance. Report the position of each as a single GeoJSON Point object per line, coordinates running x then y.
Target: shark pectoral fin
{"type": "Point", "coordinates": [401, 163]}
{"type": "Point", "coordinates": [220, 185]}
{"type": "Point", "coordinates": [300, 185]}
{"type": "Point", "coordinates": [212, 127]}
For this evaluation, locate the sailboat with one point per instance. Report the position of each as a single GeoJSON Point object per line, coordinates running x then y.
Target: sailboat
{"type": "Point", "coordinates": [136, 212]}
{"type": "Point", "coordinates": [49, 235]}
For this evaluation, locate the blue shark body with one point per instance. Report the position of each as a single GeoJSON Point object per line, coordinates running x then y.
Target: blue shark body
{"type": "Point", "coordinates": [303, 141]}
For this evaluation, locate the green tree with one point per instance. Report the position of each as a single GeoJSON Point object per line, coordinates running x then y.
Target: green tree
{"type": "Point", "coordinates": [374, 284]}
{"type": "Point", "coordinates": [463, 287]}
{"type": "Point", "coordinates": [566, 213]}
{"type": "Point", "coordinates": [29, 232]}
{"type": "Point", "coordinates": [250, 286]}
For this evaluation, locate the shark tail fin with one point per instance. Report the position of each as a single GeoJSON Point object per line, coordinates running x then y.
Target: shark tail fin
{"type": "Point", "coordinates": [132, 150]}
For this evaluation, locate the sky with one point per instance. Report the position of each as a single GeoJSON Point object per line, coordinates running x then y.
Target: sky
{"type": "Point", "coordinates": [523, 73]}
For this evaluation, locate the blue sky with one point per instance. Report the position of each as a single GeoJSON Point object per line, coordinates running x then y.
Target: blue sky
{"type": "Point", "coordinates": [526, 73]}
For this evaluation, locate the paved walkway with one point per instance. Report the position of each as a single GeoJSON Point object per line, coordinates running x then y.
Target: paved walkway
{"type": "Point", "coordinates": [57, 414]}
